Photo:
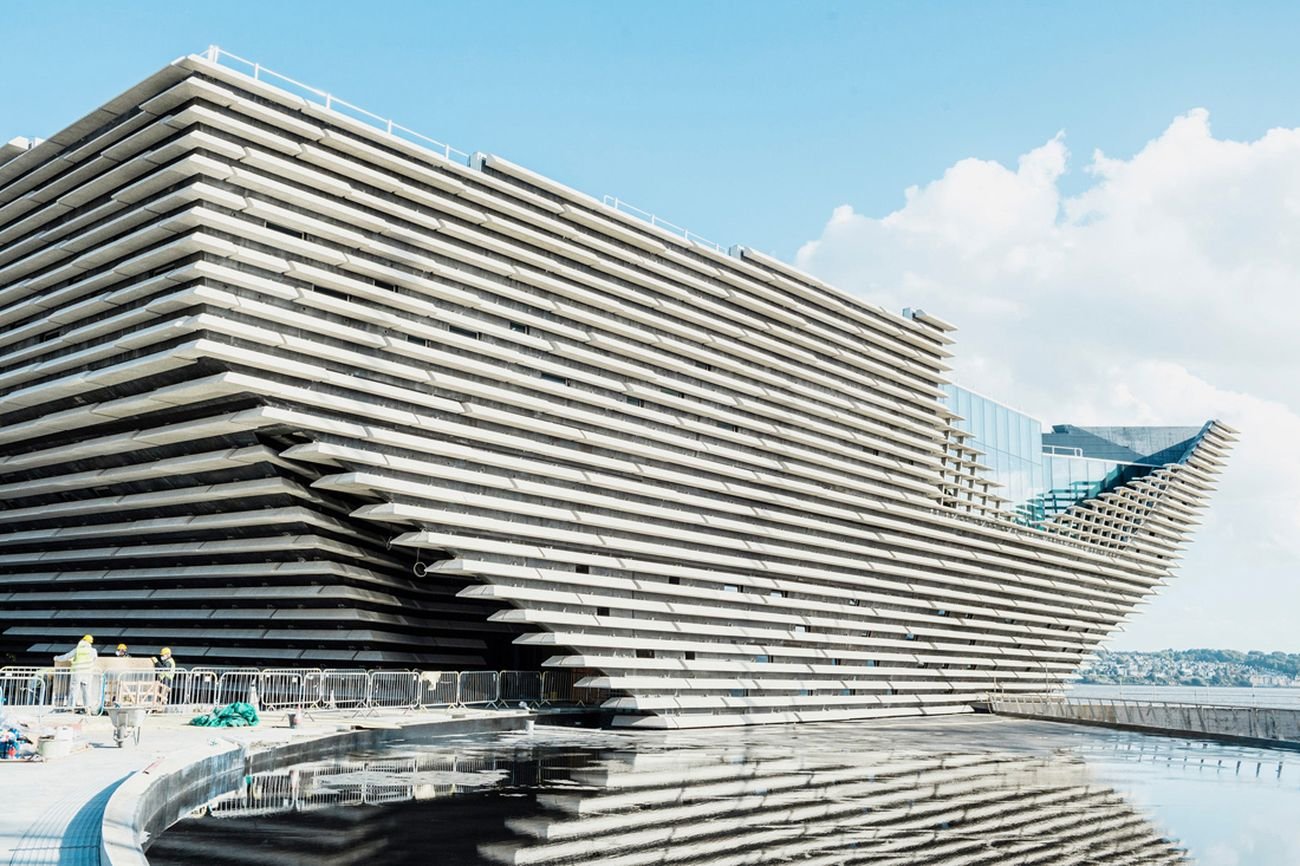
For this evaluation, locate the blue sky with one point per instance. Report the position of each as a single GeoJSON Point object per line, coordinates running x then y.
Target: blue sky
{"type": "Point", "coordinates": [908, 152]}
{"type": "Point", "coordinates": [744, 121]}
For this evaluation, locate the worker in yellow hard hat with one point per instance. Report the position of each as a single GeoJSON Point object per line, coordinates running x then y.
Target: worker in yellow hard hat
{"type": "Point", "coordinates": [165, 665]}
{"type": "Point", "coordinates": [82, 659]}
{"type": "Point", "coordinates": [122, 652]}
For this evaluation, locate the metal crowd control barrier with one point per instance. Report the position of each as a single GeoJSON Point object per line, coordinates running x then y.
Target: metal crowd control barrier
{"type": "Point", "coordinates": [394, 690]}
{"type": "Point", "coordinates": [297, 688]}
{"type": "Point", "coordinates": [236, 686]}
{"type": "Point", "coordinates": [438, 689]}
{"type": "Point", "coordinates": [479, 688]}
{"type": "Point", "coordinates": [194, 687]}
{"type": "Point", "coordinates": [288, 688]}
{"type": "Point", "coordinates": [22, 689]}
{"type": "Point", "coordinates": [519, 687]}
{"type": "Point", "coordinates": [344, 689]}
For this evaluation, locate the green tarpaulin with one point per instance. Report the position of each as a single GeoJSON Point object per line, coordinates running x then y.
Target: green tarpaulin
{"type": "Point", "coordinates": [230, 716]}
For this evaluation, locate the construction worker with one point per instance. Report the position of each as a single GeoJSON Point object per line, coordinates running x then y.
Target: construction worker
{"type": "Point", "coordinates": [121, 652]}
{"type": "Point", "coordinates": [165, 666]}
{"type": "Point", "coordinates": [82, 657]}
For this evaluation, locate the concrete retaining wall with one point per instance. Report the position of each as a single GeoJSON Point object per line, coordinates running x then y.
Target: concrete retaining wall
{"type": "Point", "coordinates": [160, 795]}
{"type": "Point", "coordinates": [1262, 725]}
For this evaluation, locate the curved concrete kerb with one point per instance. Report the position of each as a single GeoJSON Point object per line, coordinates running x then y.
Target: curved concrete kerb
{"type": "Point", "coordinates": [169, 789]}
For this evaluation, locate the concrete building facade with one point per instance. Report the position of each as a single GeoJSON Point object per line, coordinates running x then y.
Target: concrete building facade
{"type": "Point", "coordinates": [283, 384]}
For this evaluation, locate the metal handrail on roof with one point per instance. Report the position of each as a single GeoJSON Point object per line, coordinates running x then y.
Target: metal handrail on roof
{"type": "Point", "coordinates": [686, 234]}
{"type": "Point", "coordinates": [218, 55]}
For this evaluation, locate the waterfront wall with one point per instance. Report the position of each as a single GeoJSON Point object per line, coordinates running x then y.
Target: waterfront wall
{"type": "Point", "coordinates": [1271, 725]}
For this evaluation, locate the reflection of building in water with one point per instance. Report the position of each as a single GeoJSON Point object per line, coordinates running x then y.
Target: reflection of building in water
{"type": "Point", "coordinates": [690, 806]}
{"type": "Point", "coordinates": [887, 807]}
{"type": "Point", "coordinates": [324, 814]}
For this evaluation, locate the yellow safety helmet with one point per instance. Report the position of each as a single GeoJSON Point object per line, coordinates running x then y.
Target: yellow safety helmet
{"type": "Point", "coordinates": [121, 646]}
{"type": "Point", "coordinates": [88, 638]}
{"type": "Point", "coordinates": [165, 651]}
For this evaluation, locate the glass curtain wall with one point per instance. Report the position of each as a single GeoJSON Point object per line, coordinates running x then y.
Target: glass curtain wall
{"type": "Point", "coordinates": [1012, 443]}
{"type": "Point", "coordinates": [1043, 474]}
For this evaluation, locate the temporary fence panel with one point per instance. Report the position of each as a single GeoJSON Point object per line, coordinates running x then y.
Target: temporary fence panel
{"type": "Point", "coordinates": [438, 689]}
{"type": "Point", "coordinates": [238, 686]}
{"type": "Point", "coordinates": [344, 689]}
{"type": "Point", "coordinates": [394, 690]}
{"type": "Point", "coordinates": [478, 688]}
{"type": "Point", "coordinates": [519, 687]}
{"type": "Point", "coordinates": [288, 688]}
{"type": "Point", "coordinates": [22, 690]}
{"type": "Point", "coordinates": [194, 687]}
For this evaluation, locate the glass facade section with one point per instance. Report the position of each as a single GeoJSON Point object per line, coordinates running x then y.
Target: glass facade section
{"type": "Point", "coordinates": [1043, 474]}
{"type": "Point", "coordinates": [1070, 479]}
{"type": "Point", "coordinates": [1012, 443]}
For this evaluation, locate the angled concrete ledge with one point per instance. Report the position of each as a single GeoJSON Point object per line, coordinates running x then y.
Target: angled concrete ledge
{"type": "Point", "coordinates": [1271, 727]}
{"type": "Point", "coordinates": [166, 791]}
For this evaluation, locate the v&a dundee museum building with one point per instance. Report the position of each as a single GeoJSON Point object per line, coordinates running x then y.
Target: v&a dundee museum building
{"type": "Point", "coordinates": [282, 384]}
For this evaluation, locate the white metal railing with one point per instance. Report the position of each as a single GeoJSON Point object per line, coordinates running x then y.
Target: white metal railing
{"type": "Point", "coordinates": [685, 234]}
{"type": "Point", "coordinates": [218, 55]}
{"type": "Point", "coordinates": [48, 689]}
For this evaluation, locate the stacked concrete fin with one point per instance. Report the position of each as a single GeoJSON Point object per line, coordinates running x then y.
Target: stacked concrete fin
{"type": "Point", "coordinates": [277, 384]}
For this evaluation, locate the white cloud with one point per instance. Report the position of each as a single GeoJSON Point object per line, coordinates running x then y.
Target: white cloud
{"type": "Point", "coordinates": [1168, 292]}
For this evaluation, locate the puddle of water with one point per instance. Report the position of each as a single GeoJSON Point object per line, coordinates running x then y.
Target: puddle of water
{"type": "Point", "coordinates": [970, 790]}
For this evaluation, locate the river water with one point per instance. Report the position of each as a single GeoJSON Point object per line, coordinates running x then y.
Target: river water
{"type": "Point", "coordinates": [955, 790]}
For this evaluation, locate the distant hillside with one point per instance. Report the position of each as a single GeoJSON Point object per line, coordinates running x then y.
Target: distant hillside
{"type": "Point", "coordinates": [1195, 667]}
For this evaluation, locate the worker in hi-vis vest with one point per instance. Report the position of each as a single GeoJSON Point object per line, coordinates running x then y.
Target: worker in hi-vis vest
{"type": "Point", "coordinates": [165, 665]}
{"type": "Point", "coordinates": [83, 658]}
{"type": "Point", "coordinates": [165, 668]}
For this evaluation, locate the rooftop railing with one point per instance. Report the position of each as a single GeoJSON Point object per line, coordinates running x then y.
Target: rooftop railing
{"type": "Point", "coordinates": [218, 55]}
{"type": "Point", "coordinates": [685, 234]}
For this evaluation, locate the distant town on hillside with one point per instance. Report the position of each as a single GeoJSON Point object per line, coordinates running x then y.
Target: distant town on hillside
{"type": "Point", "coordinates": [1195, 667]}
